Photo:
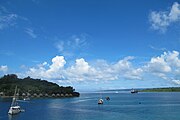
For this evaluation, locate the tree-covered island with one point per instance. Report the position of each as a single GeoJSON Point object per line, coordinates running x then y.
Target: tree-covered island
{"type": "Point", "coordinates": [33, 87]}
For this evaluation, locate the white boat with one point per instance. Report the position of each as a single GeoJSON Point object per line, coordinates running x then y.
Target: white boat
{"type": "Point", "coordinates": [15, 108]}
{"type": "Point", "coordinates": [100, 101]}
{"type": "Point", "coordinates": [134, 91]}
{"type": "Point", "coordinates": [26, 98]}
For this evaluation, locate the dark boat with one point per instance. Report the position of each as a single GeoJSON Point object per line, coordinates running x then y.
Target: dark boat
{"type": "Point", "coordinates": [134, 91]}
{"type": "Point", "coordinates": [108, 98]}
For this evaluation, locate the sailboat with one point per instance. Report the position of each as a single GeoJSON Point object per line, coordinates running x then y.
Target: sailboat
{"type": "Point", "coordinates": [15, 108]}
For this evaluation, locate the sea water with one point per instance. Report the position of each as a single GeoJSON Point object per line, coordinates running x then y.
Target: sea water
{"type": "Point", "coordinates": [121, 106]}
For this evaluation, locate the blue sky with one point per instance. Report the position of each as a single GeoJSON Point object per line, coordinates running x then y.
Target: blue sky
{"type": "Point", "coordinates": [92, 44]}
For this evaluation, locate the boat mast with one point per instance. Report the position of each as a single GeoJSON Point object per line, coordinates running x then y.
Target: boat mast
{"type": "Point", "coordinates": [14, 97]}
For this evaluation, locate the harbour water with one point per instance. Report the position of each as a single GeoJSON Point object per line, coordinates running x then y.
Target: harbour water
{"type": "Point", "coordinates": [121, 106]}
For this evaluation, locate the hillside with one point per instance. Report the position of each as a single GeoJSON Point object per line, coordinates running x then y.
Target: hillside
{"type": "Point", "coordinates": [34, 87]}
{"type": "Point", "coordinates": [169, 89]}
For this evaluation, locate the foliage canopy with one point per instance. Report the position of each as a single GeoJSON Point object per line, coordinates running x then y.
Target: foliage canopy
{"type": "Point", "coordinates": [32, 86]}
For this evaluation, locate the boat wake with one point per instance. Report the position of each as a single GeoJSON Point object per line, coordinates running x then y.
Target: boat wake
{"type": "Point", "coordinates": [82, 100]}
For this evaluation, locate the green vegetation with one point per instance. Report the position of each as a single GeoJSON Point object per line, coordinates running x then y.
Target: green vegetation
{"type": "Point", "coordinates": [170, 89]}
{"type": "Point", "coordinates": [33, 87]}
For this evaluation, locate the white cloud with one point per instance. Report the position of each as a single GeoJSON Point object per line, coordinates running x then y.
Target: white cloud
{"type": "Point", "coordinates": [177, 72]}
{"type": "Point", "coordinates": [125, 68]}
{"type": "Point", "coordinates": [3, 68]}
{"type": "Point", "coordinates": [134, 74]}
{"type": "Point", "coordinates": [7, 20]}
{"type": "Point", "coordinates": [123, 65]}
{"type": "Point", "coordinates": [176, 82]}
{"type": "Point", "coordinates": [81, 66]}
{"type": "Point", "coordinates": [162, 19]}
{"type": "Point", "coordinates": [102, 71]}
{"type": "Point", "coordinates": [165, 66]}
{"type": "Point", "coordinates": [172, 58]}
{"type": "Point", "coordinates": [155, 48]}
{"type": "Point", "coordinates": [174, 14]}
{"type": "Point", "coordinates": [81, 70]}
{"type": "Point", "coordinates": [47, 71]}
{"type": "Point", "coordinates": [75, 43]}
{"type": "Point", "coordinates": [30, 32]}
{"type": "Point", "coordinates": [60, 46]}
{"type": "Point", "coordinates": [58, 62]}
{"type": "Point", "coordinates": [158, 65]}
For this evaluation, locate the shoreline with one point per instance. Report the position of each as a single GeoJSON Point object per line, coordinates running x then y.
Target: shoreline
{"type": "Point", "coordinates": [21, 97]}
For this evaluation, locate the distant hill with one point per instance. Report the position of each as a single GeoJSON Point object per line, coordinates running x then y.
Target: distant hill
{"type": "Point", "coordinates": [169, 89]}
{"type": "Point", "coordinates": [36, 87]}
{"type": "Point", "coordinates": [122, 90]}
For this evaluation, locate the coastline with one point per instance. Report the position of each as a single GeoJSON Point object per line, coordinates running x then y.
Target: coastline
{"type": "Point", "coordinates": [167, 89]}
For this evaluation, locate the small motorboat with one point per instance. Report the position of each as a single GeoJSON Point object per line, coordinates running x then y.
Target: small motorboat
{"type": "Point", "coordinates": [100, 101]}
{"type": "Point", "coordinates": [108, 98]}
{"type": "Point", "coordinates": [26, 98]}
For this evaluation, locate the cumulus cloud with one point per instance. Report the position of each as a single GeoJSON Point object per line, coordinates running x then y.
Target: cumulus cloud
{"type": "Point", "coordinates": [160, 20]}
{"type": "Point", "coordinates": [82, 71]}
{"type": "Point", "coordinates": [158, 65]}
{"type": "Point", "coordinates": [125, 68]}
{"type": "Point", "coordinates": [3, 68]}
{"type": "Point", "coordinates": [58, 62]}
{"type": "Point", "coordinates": [47, 71]}
{"type": "Point", "coordinates": [103, 71]}
{"type": "Point", "coordinates": [81, 66]}
{"type": "Point", "coordinates": [165, 66]}
{"type": "Point", "coordinates": [173, 58]}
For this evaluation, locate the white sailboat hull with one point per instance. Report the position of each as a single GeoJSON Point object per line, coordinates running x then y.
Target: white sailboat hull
{"type": "Point", "coordinates": [14, 110]}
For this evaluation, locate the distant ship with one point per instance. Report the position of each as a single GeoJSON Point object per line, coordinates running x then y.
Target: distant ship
{"type": "Point", "coordinates": [134, 91]}
{"type": "Point", "coordinates": [15, 108]}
